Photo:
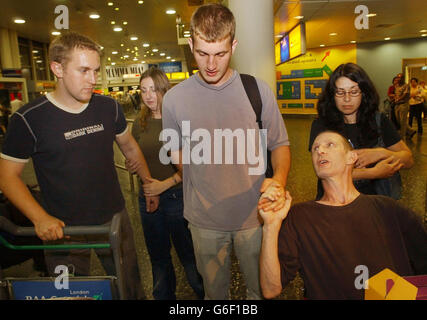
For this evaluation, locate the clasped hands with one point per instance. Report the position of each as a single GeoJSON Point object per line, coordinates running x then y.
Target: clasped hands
{"type": "Point", "coordinates": [274, 203]}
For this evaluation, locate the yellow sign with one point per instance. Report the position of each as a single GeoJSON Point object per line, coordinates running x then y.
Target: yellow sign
{"type": "Point", "coordinates": [387, 285]}
{"type": "Point", "coordinates": [295, 42]}
{"type": "Point", "coordinates": [301, 81]}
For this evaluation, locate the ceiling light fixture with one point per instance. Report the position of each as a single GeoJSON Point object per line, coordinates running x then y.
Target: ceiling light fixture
{"type": "Point", "coordinates": [333, 34]}
{"type": "Point", "coordinates": [113, 22]}
{"type": "Point", "coordinates": [19, 21]}
{"type": "Point", "coordinates": [56, 33]}
{"type": "Point", "coordinates": [170, 11]}
{"type": "Point", "coordinates": [110, 4]}
{"type": "Point", "coordinates": [424, 35]}
{"type": "Point", "coordinates": [140, 2]}
{"type": "Point", "coordinates": [353, 41]}
{"type": "Point", "coordinates": [134, 38]}
{"type": "Point", "coordinates": [386, 39]}
{"type": "Point", "coordinates": [125, 22]}
{"type": "Point", "coordinates": [117, 29]}
{"type": "Point", "coordinates": [155, 50]}
{"type": "Point", "coordinates": [370, 15]}
{"type": "Point", "coordinates": [94, 16]}
{"type": "Point", "coordinates": [424, 30]}
{"type": "Point", "coordinates": [117, 8]}
{"type": "Point", "coordinates": [322, 45]}
{"type": "Point", "coordinates": [162, 54]}
{"type": "Point", "coordinates": [114, 52]}
{"type": "Point", "coordinates": [299, 17]}
{"type": "Point", "coordinates": [146, 45]}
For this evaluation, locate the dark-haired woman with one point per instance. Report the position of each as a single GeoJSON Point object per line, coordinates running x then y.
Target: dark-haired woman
{"type": "Point", "coordinates": [167, 223]}
{"type": "Point", "coordinates": [349, 105]}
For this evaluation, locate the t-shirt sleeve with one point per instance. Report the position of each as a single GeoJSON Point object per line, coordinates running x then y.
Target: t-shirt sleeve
{"type": "Point", "coordinates": [390, 134]}
{"type": "Point", "coordinates": [121, 124]}
{"type": "Point", "coordinates": [20, 141]}
{"type": "Point", "coordinates": [136, 128]}
{"type": "Point", "coordinates": [415, 237]}
{"type": "Point", "coordinates": [288, 250]}
{"type": "Point", "coordinates": [171, 133]}
{"type": "Point", "coordinates": [272, 119]}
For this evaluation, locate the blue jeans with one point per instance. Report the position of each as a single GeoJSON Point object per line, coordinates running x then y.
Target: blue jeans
{"type": "Point", "coordinates": [213, 256]}
{"type": "Point", "coordinates": [159, 227]}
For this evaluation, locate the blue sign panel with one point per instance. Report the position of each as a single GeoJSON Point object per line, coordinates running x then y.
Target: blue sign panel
{"type": "Point", "coordinates": [40, 290]}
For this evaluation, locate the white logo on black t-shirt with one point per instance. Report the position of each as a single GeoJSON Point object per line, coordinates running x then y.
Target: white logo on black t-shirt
{"type": "Point", "coordinates": [84, 131]}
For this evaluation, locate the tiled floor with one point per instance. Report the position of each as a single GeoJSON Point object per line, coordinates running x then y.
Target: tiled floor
{"type": "Point", "coordinates": [301, 184]}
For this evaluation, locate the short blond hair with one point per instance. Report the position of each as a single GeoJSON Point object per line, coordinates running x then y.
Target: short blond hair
{"type": "Point", "coordinates": [61, 47]}
{"type": "Point", "coordinates": [213, 22]}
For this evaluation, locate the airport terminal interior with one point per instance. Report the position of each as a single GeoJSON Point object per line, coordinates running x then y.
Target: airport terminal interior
{"type": "Point", "coordinates": [384, 37]}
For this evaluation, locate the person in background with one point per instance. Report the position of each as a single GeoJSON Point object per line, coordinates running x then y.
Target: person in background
{"type": "Point", "coordinates": [416, 104]}
{"type": "Point", "coordinates": [326, 240]}
{"type": "Point", "coordinates": [401, 100]}
{"type": "Point", "coordinates": [167, 223]}
{"type": "Point", "coordinates": [391, 95]}
{"type": "Point", "coordinates": [349, 105]}
{"type": "Point", "coordinates": [424, 88]}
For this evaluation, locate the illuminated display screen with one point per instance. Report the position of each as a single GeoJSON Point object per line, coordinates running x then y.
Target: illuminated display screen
{"type": "Point", "coordinates": [295, 42]}
{"type": "Point", "coordinates": [291, 45]}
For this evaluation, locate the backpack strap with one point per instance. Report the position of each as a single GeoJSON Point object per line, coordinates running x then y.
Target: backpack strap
{"type": "Point", "coordinates": [252, 91]}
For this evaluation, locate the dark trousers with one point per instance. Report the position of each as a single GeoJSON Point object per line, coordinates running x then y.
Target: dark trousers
{"type": "Point", "coordinates": [79, 260]}
{"type": "Point", "coordinates": [416, 110]}
{"type": "Point", "coordinates": [160, 227]}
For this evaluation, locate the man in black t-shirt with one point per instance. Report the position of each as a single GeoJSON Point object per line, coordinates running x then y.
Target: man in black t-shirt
{"type": "Point", "coordinates": [69, 135]}
{"type": "Point", "coordinates": [329, 239]}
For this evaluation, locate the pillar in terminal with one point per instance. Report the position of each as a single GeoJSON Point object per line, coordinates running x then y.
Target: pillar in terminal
{"type": "Point", "coordinates": [255, 36]}
{"type": "Point", "coordinates": [9, 49]}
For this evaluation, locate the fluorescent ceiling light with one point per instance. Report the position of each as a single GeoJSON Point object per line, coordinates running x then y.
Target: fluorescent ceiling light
{"type": "Point", "coordinates": [333, 34]}
{"type": "Point", "coordinates": [94, 16]}
{"type": "Point", "coordinates": [134, 38]}
{"type": "Point", "coordinates": [110, 4]}
{"type": "Point", "coordinates": [369, 15]}
{"type": "Point", "coordinates": [299, 17]}
{"type": "Point", "coordinates": [146, 45]}
{"type": "Point", "coordinates": [388, 38]}
{"type": "Point", "coordinates": [19, 21]}
{"type": "Point", "coordinates": [170, 11]}
{"type": "Point", "coordinates": [117, 29]}
{"type": "Point", "coordinates": [155, 50]}
{"type": "Point", "coordinates": [56, 33]}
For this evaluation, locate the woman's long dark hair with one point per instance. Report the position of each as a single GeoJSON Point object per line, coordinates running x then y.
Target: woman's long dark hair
{"type": "Point", "coordinates": [333, 119]}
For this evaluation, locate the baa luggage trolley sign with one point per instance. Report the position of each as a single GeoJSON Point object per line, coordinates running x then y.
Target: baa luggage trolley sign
{"type": "Point", "coordinates": [65, 287]}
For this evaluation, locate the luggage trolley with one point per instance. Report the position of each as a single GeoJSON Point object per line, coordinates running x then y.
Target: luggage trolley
{"type": "Point", "coordinates": [77, 288]}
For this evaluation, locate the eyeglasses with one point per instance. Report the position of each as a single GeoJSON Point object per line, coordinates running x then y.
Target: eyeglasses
{"type": "Point", "coordinates": [352, 93]}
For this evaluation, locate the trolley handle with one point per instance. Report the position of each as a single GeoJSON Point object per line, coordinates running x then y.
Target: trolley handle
{"type": "Point", "coordinates": [10, 227]}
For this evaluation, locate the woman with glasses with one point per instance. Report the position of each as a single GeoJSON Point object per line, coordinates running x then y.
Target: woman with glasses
{"type": "Point", "coordinates": [349, 105]}
{"type": "Point", "coordinates": [167, 223]}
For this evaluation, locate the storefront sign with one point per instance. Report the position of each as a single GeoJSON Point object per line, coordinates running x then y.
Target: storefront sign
{"type": "Point", "coordinates": [117, 73]}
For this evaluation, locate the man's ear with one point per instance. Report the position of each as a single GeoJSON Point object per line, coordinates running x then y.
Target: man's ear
{"type": "Point", "coordinates": [190, 43]}
{"type": "Point", "coordinates": [233, 46]}
{"type": "Point", "coordinates": [57, 69]}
